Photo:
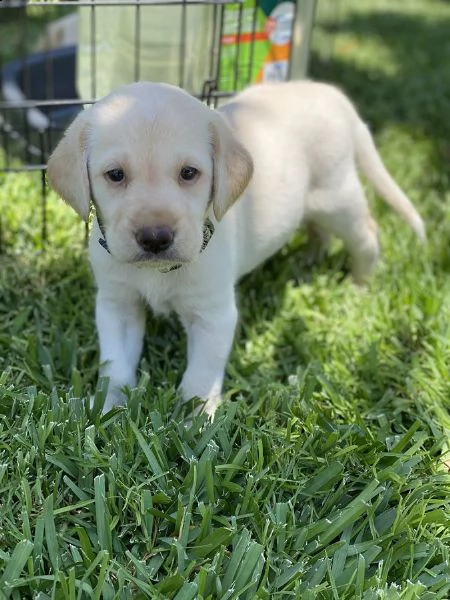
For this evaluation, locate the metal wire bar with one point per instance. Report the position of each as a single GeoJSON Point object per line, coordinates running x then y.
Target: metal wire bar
{"type": "Point", "coordinates": [252, 45]}
{"type": "Point", "coordinates": [44, 228]}
{"type": "Point", "coordinates": [137, 41]}
{"type": "Point", "coordinates": [23, 52]}
{"type": "Point", "coordinates": [26, 168]}
{"type": "Point", "coordinates": [27, 131]}
{"type": "Point", "coordinates": [5, 139]}
{"type": "Point", "coordinates": [238, 47]}
{"type": "Point", "coordinates": [93, 51]}
{"type": "Point", "coordinates": [99, 3]}
{"type": "Point", "coordinates": [182, 55]}
{"type": "Point", "coordinates": [26, 104]}
{"type": "Point", "coordinates": [215, 43]}
{"type": "Point", "coordinates": [219, 50]}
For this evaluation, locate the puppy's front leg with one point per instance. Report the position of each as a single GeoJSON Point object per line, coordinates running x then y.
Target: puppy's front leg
{"type": "Point", "coordinates": [210, 337]}
{"type": "Point", "coordinates": [120, 324]}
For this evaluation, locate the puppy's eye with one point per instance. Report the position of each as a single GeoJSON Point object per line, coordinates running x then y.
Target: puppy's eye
{"type": "Point", "coordinates": [115, 175]}
{"type": "Point", "coordinates": [189, 173]}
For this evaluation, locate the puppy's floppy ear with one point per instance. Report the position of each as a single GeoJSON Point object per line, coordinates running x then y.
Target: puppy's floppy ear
{"type": "Point", "coordinates": [233, 166]}
{"type": "Point", "coordinates": [67, 167]}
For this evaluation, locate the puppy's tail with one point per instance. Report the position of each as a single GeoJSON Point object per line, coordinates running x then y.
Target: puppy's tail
{"type": "Point", "coordinates": [372, 166]}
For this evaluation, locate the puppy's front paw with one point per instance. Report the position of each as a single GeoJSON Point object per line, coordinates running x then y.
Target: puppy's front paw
{"type": "Point", "coordinates": [114, 397]}
{"type": "Point", "coordinates": [198, 406]}
{"type": "Point", "coordinates": [211, 405]}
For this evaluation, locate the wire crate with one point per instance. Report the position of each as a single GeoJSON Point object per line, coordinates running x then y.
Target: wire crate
{"type": "Point", "coordinates": [58, 56]}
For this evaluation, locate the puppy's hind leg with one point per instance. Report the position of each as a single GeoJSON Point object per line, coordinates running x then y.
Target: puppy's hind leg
{"type": "Point", "coordinates": [348, 217]}
{"type": "Point", "coordinates": [363, 246]}
{"type": "Point", "coordinates": [319, 240]}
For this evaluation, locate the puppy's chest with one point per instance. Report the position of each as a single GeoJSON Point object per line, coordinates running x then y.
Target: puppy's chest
{"type": "Point", "coordinates": [162, 292]}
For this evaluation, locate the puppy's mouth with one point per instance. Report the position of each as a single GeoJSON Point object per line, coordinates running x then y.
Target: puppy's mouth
{"type": "Point", "coordinates": [159, 261]}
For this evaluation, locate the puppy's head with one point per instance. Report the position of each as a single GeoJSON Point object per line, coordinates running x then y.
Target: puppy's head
{"type": "Point", "coordinates": [152, 159]}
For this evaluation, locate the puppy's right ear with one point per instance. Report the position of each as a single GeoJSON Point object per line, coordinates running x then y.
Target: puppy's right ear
{"type": "Point", "coordinates": [233, 166]}
{"type": "Point", "coordinates": [67, 167]}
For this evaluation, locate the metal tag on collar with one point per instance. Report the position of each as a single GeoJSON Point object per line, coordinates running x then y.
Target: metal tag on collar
{"type": "Point", "coordinates": [174, 267]}
{"type": "Point", "coordinates": [102, 240]}
{"type": "Point", "coordinates": [104, 244]}
{"type": "Point", "coordinates": [208, 230]}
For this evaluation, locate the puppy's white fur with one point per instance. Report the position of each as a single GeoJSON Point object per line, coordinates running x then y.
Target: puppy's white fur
{"type": "Point", "coordinates": [300, 140]}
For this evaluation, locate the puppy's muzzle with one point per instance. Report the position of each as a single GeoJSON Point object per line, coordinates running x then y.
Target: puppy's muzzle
{"type": "Point", "coordinates": [154, 239]}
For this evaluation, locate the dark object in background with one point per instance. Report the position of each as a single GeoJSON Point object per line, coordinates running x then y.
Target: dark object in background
{"type": "Point", "coordinates": [31, 130]}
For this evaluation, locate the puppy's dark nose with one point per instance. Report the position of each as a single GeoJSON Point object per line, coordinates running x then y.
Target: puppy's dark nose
{"type": "Point", "coordinates": [154, 239]}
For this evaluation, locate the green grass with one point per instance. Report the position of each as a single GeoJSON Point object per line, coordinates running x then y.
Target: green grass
{"type": "Point", "coordinates": [325, 475]}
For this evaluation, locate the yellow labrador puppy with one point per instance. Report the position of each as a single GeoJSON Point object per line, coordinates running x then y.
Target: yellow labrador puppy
{"type": "Point", "coordinates": [189, 199]}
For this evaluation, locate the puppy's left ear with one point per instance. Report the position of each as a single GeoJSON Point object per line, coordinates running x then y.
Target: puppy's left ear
{"type": "Point", "coordinates": [233, 166]}
{"type": "Point", "coordinates": [67, 166]}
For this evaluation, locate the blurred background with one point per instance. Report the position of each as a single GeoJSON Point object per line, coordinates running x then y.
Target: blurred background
{"type": "Point", "coordinates": [390, 56]}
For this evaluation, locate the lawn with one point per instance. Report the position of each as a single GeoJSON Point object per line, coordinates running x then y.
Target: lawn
{"type": "Point", "coordinates": [326, 473]}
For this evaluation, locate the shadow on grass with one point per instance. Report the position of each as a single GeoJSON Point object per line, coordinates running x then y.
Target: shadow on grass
{"type": "Point", "coordinates": [418, 95]}
{"type": "Point", "coordinates": [379, 378]}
